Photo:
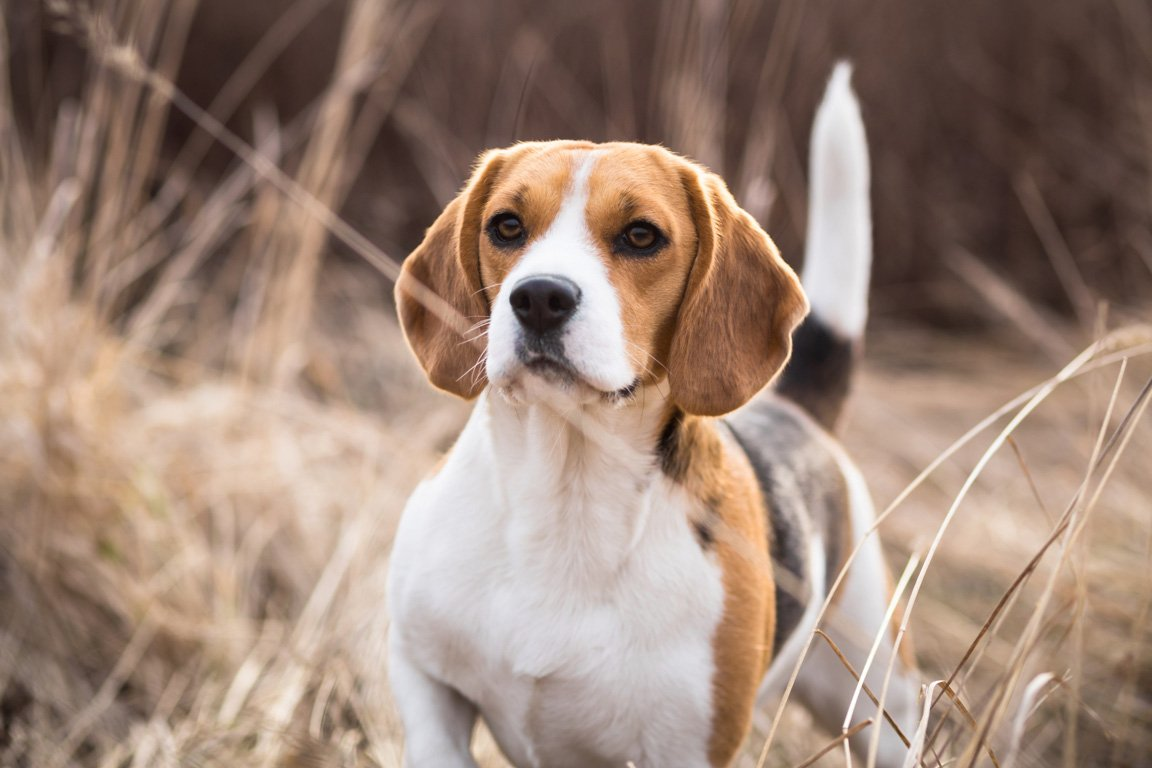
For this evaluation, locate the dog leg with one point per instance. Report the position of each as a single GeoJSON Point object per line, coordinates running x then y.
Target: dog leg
{"type": "Point", "coordinates": [438, 721]}
{"type": "Point", "coordinates": [855, 621]}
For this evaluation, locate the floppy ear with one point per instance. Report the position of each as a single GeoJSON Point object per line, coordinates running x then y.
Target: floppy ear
{"type": "Point", "coordinates": [439, 294]}
{"type": "Point", "coordinates": [734, 329]}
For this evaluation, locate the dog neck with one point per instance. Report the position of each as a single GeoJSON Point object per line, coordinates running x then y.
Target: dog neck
{"type": "Point", "coordinates": [579, 481]}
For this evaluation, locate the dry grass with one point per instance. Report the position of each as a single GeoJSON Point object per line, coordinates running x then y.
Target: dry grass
{"type": "Point", "coordinates": [207, 432]}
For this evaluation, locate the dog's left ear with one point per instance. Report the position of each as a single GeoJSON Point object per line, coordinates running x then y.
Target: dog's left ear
{"type": "Point", "coordinates": [741, 304]}
{"type": "Point", "coordinates": [439, 295]}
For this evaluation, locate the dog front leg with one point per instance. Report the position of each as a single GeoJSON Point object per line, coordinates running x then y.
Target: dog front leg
{"type": "Point", "coordinates": [438, 721]}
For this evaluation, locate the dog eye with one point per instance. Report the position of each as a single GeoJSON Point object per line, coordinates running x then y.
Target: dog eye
{"type": "Point", "coordinates": [505, 229]}
{"type": "Point", "coordinates": [640, 238]}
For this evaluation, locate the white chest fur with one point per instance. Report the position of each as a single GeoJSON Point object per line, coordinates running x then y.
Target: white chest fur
{"type": "Point", "coordinates": [554, 581]}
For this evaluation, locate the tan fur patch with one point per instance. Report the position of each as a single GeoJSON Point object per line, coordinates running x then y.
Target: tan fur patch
{"type": "Point", "coordinates": [718, 475]}
{"type": "Point", "coordinates": [438, 293]}
{"type": "Point", "coordinates": [533, 187]}
{"type": "Point", "coordinates": [431, 290]}
{"type": "Point", "coordinates": [632, 183]}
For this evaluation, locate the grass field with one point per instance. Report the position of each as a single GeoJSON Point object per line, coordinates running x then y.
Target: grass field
{"type": "Point", "coordinates": [208, 428]}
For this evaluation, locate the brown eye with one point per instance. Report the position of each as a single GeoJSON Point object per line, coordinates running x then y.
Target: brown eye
{"type": "Point", "coordinates": [640, 237]}
{"type": "Point", "coordinates": [506, 229]}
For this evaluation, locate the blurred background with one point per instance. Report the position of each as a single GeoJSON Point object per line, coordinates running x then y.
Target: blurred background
{"type": "Point", "coordinates": [1016, 132]}
{"type": "Point", "coordinates": [209, 420]}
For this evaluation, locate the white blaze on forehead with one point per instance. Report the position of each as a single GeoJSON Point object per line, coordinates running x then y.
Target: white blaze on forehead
{"type": "Point", "coordinates": [571, 220]}
{"type": "Point", "coordinates": [593, 338]}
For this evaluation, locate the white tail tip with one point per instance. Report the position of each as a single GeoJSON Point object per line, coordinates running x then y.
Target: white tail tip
{"type": "Point", "coordinates": [838, 256]}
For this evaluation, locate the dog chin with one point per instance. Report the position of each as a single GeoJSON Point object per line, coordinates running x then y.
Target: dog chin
{"type": "Point", "coordinates": [544, 381]}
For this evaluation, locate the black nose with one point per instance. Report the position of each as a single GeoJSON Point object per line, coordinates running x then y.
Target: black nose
{"type": "Point", "coordinates": [544, 302]}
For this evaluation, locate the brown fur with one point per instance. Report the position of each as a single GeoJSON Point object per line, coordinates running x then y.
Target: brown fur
{"type": "Point", "coordinates": [742, 303]}
{"type": "Point", "coordinates": [713, 311]}
{"type": "Point", "coordinates": [644, 183]}
{"type": "Point", "coordinates": [447, 266]}
{"type": "Point", "coordinates": [533, 186]}
{"type": "Point", "coordinates": [718, 475]}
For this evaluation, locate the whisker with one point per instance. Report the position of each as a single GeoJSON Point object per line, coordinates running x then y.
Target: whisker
{"type": "Point", "coordinates": [479, 371]}
{"type": "Point", "coordinates": [647, 354]}
{"type": "Point", "coordinates": [469, 335]}
{"type": "Point", "coordinates": [476, 368]}
{"type": "Point", "coordinates": [469, 339]}
{"type": "Point", "coordinates": [493, 286]}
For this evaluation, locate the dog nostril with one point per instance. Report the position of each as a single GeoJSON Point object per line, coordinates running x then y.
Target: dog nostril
{"type": "Point", "coordinates": [544, 302]}
{"type": "Point", "coordinates": [561, 302]}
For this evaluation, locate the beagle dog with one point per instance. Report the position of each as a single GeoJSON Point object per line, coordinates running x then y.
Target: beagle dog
{"type": "Point", "coordinates": [602, 568]}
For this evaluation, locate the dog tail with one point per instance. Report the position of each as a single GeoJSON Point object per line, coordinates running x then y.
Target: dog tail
{"type": "Point", "coordinates": [837, 260]}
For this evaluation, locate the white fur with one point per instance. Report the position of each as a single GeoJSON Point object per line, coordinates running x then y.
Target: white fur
{"type": "Point", "coordinates": [532, 574]}
{"type": "Point", "coordinates": [838, 256]}
{"type": "Point", "coordinates": [594, 337]}
{"type": "Point", "coordinates": [854, 622]}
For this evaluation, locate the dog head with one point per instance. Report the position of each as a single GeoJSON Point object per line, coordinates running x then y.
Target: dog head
{"type": "Point", "coordinates": [597, 269]}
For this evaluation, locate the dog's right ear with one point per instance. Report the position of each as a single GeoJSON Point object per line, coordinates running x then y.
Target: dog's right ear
{"type": "Point", "coordinates": [439, 294]}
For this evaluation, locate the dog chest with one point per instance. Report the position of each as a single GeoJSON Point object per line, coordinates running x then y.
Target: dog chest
{"type": "Point", "coordinates": [567, 664]}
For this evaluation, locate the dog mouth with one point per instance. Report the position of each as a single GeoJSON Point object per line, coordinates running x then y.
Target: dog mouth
{"type": "Point", "coordinates": [624, 394]}
{"type": "Point", "coordinates": [554, 368]}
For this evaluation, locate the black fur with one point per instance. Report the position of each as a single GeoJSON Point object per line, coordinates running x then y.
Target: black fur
{"type": "Point", "coordinates": [673, 462]}
{"type": "Point", "coordinates": [819, 372]}
{"type": "Point", "coordinates": [805, 492]}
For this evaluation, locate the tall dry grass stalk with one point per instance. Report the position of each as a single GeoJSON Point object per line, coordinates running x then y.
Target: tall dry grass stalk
{"type": "Point", "coordinates": [288, 244]}
{"type": "Point", "coordinates": [176, 548]}
{"type": "Point", "coordinates": [197, 499]}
